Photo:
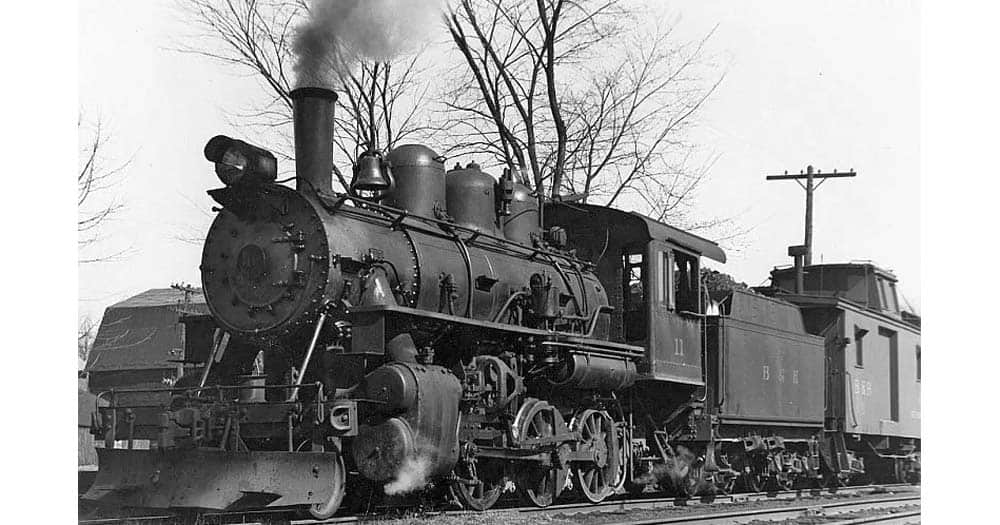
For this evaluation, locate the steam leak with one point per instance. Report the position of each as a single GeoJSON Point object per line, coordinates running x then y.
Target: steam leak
{"type": "Point", "coordinates": [413, 475]}
{"type": "Point", "coordinates": [338, 33]}
{"type": "Point", "coordinates": [672, 472]}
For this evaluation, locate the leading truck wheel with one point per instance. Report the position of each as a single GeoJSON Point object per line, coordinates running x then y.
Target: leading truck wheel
{"type": "Point", "coordinates": [480, 483]}
{"type": "Point", "coordinates": [322, 511]}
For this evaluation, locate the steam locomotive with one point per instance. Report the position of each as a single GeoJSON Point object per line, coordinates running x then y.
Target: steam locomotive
{"type": "Point", "coordinates": [445, 328]}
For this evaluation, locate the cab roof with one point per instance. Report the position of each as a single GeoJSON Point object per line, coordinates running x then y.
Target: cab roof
{"type": "Point", "coordinates": [649, 228]}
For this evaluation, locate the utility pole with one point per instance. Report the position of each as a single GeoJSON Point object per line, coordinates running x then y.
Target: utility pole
{"type": "Point", "coordinates": [810, 176]}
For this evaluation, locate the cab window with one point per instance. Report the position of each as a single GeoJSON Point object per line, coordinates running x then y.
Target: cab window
{"type": "Point", "coordinates": [686, 281]}
{"type": "Point", "coordinates": [633, 293]}
{"type": "Point", "coordinates": [665, 284]}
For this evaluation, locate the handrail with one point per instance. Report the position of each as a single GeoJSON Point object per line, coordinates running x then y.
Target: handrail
{"type": "Point", "coordinates": [506, 305]}
{"type": "Point", "coordinates": [569, 287]}
{"type": "Point", "coordinates": [604, 308]}
{"type": "Point", "coordinates": [217, 350]}
{"type": "Point", "coordinates": [850, 391]}
{"type": "Point", "coordinates": [341, 197]}
{"type": "Point", "coordinates": [218, 388]}
{"type": "Point", "coordinates": [470, 285]}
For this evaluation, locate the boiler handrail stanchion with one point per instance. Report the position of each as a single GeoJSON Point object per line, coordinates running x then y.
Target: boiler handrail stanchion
{"type": "Point", "coordinates": [217, 350]}
{"type": "Point", "coordinates": [309, 352]}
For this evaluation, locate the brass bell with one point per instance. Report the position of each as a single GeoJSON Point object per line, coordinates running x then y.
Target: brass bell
{"type": "Point", "coordinates": [371, 173]}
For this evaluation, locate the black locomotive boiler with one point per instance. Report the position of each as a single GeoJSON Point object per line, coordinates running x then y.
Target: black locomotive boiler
{"type": "Point", "coordinates": [441, 328]}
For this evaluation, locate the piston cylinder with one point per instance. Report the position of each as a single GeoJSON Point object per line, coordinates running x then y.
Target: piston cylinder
{"type": "Point", "coordinates": [412, 415]}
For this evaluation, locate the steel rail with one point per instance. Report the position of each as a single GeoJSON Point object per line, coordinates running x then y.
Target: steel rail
{"type": "Point", "coordinates": [886, 519]}
{"type": "Point", "coordinates": [774, 514]}
{"type": "Point", "coordinates": [653, 503]}
{"type": "Point", "coordinates": [633, 503]}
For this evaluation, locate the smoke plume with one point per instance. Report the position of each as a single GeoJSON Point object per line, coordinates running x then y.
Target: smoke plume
{"type": "Point", "coordinates": [337, 33]}
{"type": "Point", "coordinates": [413, 475]}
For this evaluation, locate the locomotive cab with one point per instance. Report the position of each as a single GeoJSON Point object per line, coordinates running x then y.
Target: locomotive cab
{"type": "Point", "coordinates": [651, 272]}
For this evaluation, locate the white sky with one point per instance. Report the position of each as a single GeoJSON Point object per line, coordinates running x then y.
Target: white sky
{"type": "Point", "coordinates": [834, 84]}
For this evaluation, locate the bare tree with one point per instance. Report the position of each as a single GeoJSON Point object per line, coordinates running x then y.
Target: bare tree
{"type": "Point", "coordinates": [93, 181]}
{"type": "Point", "coordinates": [380, 101]}
{"type": "Point", "coordinates": [581, 100]}
{"type": "Point", "coordinates": [85, 338]}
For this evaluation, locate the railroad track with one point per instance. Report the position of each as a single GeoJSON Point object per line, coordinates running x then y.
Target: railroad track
{"type": "Point", "coordinates": [888, 508]}
{"type": "Point", "coordinates": [611, 506]}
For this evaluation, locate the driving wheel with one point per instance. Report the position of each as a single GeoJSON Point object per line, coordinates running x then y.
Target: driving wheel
{"type": "Point", "coordinates": [597, 479]}
{"type": "Point", "coordinates": [537, 422]}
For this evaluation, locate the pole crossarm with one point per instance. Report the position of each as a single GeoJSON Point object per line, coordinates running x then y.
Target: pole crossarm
{"type": "Point", "coordinates": [833, 175]}
{"type": "Point", "coordinates": [810, 186]}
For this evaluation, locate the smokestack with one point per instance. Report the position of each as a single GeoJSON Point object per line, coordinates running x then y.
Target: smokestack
{"type": "Point", "coordinates": [312, 110]}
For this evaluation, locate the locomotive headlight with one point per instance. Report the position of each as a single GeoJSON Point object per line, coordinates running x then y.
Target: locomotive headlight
{"type": "Point", "coordinates": [239, 163]}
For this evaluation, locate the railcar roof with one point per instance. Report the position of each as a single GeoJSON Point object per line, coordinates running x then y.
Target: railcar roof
{"type": "Point", "coordinates": [159, 297]}
{"type": "Point", "coordinates": [143, 331]}
{"type": "Point", "coordinates": [854, 265]}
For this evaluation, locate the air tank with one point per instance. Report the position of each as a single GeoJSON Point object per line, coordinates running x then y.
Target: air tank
{"type": "Point", "coordinates": [419, 181]}
{"type": "Point", "coordinates": [523, 218]}
{"type": "Point", "coordinates": [471, 198]}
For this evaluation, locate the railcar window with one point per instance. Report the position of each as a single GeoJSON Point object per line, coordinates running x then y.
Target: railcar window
{"type": "Point", "coordinates": [893, 301]}
{"type": "Point", "coordinates": [859, 347]}
{"type": "Point", "coordinates": [918, 363]}
{"type": "Point", "coordinates": [882, 294]}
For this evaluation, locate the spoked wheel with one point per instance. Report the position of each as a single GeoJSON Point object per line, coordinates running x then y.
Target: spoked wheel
{"type": "Point", "coordinates": [693, 483]}
{"type": "Point", "coordinates": [783, 482]}
{"type": "Point", "coordinates": [624, 457]}
{"type": "Point", "coordinates": [835, 481]}
{"type": "Point", "coordinates": [752, 482]}
{"type": "Point", "coordinates": [481, 481]}
{"type": "Point", "coordinates": [636, 482]}
{"type": "Point", "coordinates": [597, 479]}
{"type": "Point", "coordinates": [322, 511]}
{"type": "Point", "coordinates": [539, 484]}
{"type": "Point", "coordinates": [725, 477]}
{"type": "Point", "coordinates": [725, 484]}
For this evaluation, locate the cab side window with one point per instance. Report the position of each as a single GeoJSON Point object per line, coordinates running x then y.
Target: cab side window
{"type": "Point", "coordinates": [665, 284]}
{"type": "Point", "coordinates": [634, 294]}
{"type": "Point", "coordinates": [686, 280]}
